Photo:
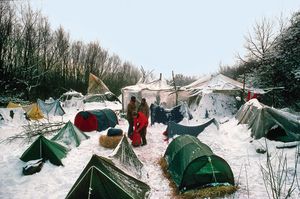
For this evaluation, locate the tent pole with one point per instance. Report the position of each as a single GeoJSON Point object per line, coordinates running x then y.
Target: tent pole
{"type": "Point", "coordinates": [90, 189]}
{"type": "Point", "coordinates": [176, 94]}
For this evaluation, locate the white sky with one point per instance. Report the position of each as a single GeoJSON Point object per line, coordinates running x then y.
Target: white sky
{"type": "Point", "coordinates": [191, 37]}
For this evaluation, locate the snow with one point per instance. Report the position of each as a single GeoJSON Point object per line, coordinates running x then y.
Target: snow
{"type": "Point", "coordinates": [232, 142]}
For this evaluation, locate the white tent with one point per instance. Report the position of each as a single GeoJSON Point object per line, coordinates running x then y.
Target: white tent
{"type": "Point", "coordinates": [213, 83]}
{"type": "Point", "coordinates": [208, 90]}
{"type": "Point", "coordinates": [157, 91]}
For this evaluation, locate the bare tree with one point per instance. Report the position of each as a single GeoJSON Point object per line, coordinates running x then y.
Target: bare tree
{"type": "Point", "coordinates": [261, 40]}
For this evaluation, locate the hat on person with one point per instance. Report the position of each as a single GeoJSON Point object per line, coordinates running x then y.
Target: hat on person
{"type": "Point", "coordinates": [132, 98]}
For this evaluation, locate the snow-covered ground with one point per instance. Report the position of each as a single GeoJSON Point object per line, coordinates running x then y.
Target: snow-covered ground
{"type": "Point", "coordinates": [232, 142]}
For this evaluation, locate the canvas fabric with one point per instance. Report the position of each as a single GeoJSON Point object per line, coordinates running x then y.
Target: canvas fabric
{"type": "Point", "coordinates": [176, 114]}
{"type": "Point", "coordinates": [178, 129]}
{"type": "Point", "coordinates": [192, 164]}
{"type": "Point", "coordinates": [126, 156]}
{"type": "Point", "coordinates": [261, 119]}
{"type": "Point", "coordinates": [106, 118]}
{"type": "Point", "coordinates": [96, 86]}
{"type": "Point", "coordinates": [45, 149]}
{"type": "Point", "coordinates": [51, 107]}
{"type": "Point", "coordinates": [102, 179]}
{"type": "Point", "coordinates": [33, 111]}
{"type": "Point", "coordinates": [70, 135]}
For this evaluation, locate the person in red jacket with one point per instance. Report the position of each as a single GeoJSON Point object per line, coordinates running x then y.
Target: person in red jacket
{"type": "Point", "coordinates": [140, 122]}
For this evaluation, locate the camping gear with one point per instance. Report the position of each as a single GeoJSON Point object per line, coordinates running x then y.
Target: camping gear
{"type": "Point", "coordinates": [178, 129]}
{"type": "Point", "coordinates": [126, 157]}
{"type": "Point", "coordinates": [114, 132]}
{"type": "Point", "coordinates": [109, 141]}
{"type": "Point", "coordinates": [45, 149]}
{"type": "Point", "coordinates": [53, 107]}
{"type": "Point", "coordinates": [33, 166]}
{"type": "Point", "coordinates": [102, 179]}
{"type": "Point", "coordinates": [268, 122]}
{"type": "Point", "coordinates": [99, 120]}
{"type": "Point", "coordinates": [175, 114]}
{"type": "Point", "coordinates": [192, 164]}
{"type": "Point", "coordinates": [70, 135]}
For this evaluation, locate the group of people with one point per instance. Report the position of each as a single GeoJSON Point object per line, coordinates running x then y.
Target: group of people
{"type": "Point", "coordinates": [138, 121]}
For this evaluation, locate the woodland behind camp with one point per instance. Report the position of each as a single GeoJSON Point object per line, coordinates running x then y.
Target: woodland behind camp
{"type": "Point", "coordinates": [37, 61]}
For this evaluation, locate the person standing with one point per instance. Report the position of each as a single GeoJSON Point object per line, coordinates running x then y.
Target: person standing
{"type": "Point", "coordinates": [140, 126]}
{"type": "Point", "coordinates": [131, 108]}
{"type": "Point", "coordinates": [144, 108]}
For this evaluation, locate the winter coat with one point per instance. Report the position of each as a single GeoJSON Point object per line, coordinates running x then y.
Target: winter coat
{"type": "Point", "coordinates": [144, 108]}
{"type": "Point", "coordinates": [130, 109]}
{"type": "Point", "coordinates": [140, 122]}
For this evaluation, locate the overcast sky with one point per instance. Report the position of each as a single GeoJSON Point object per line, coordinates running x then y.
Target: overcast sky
{"type": "Point", "coordinates": [190, 37]}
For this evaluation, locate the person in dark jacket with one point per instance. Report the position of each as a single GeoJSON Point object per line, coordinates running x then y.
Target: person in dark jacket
{"type": "Point", "coordinates": [140, 125]}
{"type": "Point", "coordinates": [144, 108]}
{"type": "Point", "coordinates": [131, 107]}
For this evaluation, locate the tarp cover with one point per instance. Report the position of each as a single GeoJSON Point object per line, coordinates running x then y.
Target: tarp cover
{"type": "Point", "coordinates": [178, 129]}
{"type": "Point", "coordinates": [45, 149]}
{"type": "Point", "coordinates": [101, 179]}
{"type": "Point", "coordinates": [192, 164]}
{"type": "Point", "coordinates": [96, 85]}
{"type": "Point", "coordinates": [175, 114]}
{"type": "Point", "coordinates": [262, 119]}
{"type": "Point", "coordinates": [70, 135]}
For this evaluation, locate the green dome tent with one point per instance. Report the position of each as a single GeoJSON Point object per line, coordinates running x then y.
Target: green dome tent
{"type": "Point", "coordinates": [101, 179]}
{"type": "Point", "coordinates": [70, 135]}
{"type": "Point", "coordinates": [45, 149]}
{"type": "Point", "coordinates": [192, 164]}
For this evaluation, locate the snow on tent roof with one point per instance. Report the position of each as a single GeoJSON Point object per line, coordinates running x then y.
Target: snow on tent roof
{"type": "Point", "coordinates": [248, 110]}
{"type": "Point", "coordinates": [157, 91]}
{"type": "Point", "coordinates": [263, 120]}
{"type": "Point", "coordinates": [156, 85]}
{"type": "Point", "coordinates": [69, 94]}
{"type": "Point", "coordinates": [214, 82]}
{"type": "Point", "coordinates": [102, 179]}
{"type": "Point", "coordinates": [70, 135]}
{"type": "Point", "coordinates": [126, 156]}
{"type": "Point", "coordinates": [192, 164]}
